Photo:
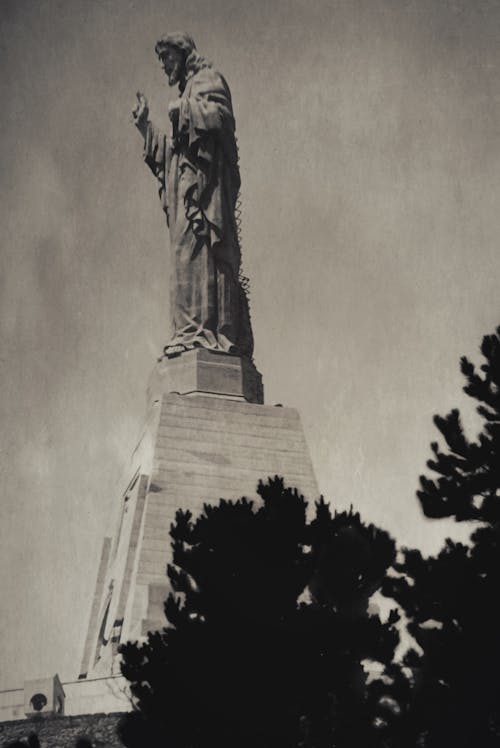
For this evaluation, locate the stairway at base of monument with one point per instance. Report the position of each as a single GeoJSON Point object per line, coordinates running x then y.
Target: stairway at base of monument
{"type": "Point", "coordinates": [196, 448]}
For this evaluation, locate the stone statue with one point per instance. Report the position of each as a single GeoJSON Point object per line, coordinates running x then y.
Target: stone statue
{"type": "Point", "coordinates": [196, 165]}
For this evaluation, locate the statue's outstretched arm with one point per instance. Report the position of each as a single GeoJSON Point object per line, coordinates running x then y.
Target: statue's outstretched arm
{"type": "Point", "coordinates": [156, 143]}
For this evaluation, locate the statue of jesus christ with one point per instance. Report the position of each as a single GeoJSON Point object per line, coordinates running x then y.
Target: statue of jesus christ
{"type": "Point", "coordinates": [196, 165]}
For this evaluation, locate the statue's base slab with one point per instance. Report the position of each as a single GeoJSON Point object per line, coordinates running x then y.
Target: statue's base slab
{"type": "Point", "coordinates": [203, 372]}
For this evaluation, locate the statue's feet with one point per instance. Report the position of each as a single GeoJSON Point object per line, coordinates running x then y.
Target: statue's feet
{"type": "Point", "coordinates": [170, 351]}
{"type": "Point", "coordinates": [176, 349]}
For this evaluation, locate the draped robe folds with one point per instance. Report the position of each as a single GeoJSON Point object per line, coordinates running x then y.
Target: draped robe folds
{"type": "Point", "coordinates": [197, 169]}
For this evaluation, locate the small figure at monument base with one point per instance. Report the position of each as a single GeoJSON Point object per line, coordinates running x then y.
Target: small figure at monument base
{"type": "Point", "coordinates": [196, 165]}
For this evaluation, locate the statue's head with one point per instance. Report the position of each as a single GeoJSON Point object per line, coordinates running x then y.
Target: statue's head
{"type": "Point", "coordinates": [177, 53]}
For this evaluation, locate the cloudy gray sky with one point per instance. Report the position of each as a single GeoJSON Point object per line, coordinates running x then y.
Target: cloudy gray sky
{"type": "Point", "coordinates": [369, 142]}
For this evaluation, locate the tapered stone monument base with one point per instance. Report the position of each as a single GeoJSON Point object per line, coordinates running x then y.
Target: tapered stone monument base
{"type": "Point", "coordinates": [208, 437]}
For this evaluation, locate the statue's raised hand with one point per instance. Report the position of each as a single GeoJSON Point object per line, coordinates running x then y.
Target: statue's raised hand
{"type": "Point", "coordinates": [141, 111]}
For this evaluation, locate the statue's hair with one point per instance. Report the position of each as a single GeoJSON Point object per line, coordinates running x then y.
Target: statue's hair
{"type": "Point", "coordinates": [185, 43]}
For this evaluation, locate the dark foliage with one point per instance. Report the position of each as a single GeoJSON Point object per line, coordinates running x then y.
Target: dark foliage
{"type": "Point", "coordinates": [31, 741]}
{"type": "Point", "coordinates": [451, 600]}
{"type": "Point", "coordinates": [83, 743]}
{"type": "Point", "coordinates": [244, 661]}
{"type": "Point", "coordinates": [469, 472]}
{"type": "Point", "coordinates": [349, 561]}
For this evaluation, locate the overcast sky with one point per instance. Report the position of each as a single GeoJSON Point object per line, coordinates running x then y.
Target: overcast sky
{"type": "Point", "coordinates": [369, 143]}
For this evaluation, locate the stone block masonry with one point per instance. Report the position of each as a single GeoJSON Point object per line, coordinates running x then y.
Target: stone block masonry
{"type": "Point", "coordinates": [209, 449]}
{"type": "Point", "coordinates": [197, 449]}
{"type": "Point", "coordinates": [64, 732]}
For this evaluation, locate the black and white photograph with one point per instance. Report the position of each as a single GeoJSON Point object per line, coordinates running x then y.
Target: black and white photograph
{"type": "Point", "coordinates": [250, 374]}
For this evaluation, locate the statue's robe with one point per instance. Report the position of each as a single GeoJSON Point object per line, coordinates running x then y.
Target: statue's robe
{"type": "Point", "coordinates": [197, 169]}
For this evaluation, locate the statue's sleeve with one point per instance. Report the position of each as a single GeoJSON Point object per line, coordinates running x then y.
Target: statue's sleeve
{"type": "Point", "coordinates": [155, 148]}
{"type": "Point", "coordinates": [157, 155]}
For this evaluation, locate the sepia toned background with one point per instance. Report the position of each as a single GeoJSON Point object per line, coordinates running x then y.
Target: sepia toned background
{"type": "Point", "coordinates": [368, 134]}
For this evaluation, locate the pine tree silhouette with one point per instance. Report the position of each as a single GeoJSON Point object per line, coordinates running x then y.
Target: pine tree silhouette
{"type": "Point", "coordinates": [451, 600]}
{"type": "Point", "coordinates": [349, 563]}
{"type": "Point", "coordinates": [243, 661]}
{"type": "Point", "coordinates": [227, 671]}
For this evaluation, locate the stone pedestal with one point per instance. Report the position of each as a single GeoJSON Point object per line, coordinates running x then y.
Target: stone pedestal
{"type": "Point", "coordinates": [201, 371]}
{"type": "Point", "coordinates": [208, 437]}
